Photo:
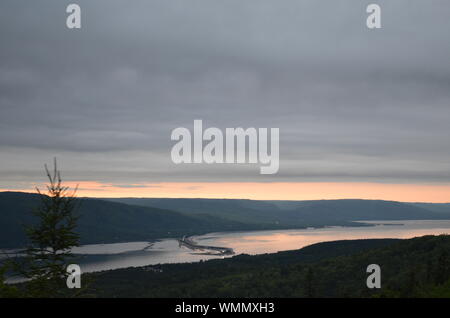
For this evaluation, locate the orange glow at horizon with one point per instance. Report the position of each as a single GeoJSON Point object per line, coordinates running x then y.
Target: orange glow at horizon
{"type": "Point", "coordinates": [439, 193]}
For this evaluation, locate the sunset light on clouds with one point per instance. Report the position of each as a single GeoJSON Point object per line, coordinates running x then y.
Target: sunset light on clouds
{"type": "Point", "coordinates": [437, 193]}
{"type": "Point", "coordinates": [364, 119]}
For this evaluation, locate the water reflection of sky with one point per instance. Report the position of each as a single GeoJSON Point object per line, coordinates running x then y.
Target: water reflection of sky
{"type": "Point", "coordinates": [114, 248]}
{"type": "Point", "coordinates": [100, 257]}
{"type": "Point", "coordinates": [162, 252]}
{"type": "Point", "coordinates": [275, 241]}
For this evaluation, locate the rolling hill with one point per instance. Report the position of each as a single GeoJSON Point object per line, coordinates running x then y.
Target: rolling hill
{"type": "Point", "coordinates": [293, 213]}
{"type": "Point", "coordinates": [435, 207]}
{"type": "Point", "coordinates": [133, 219]}
{"type": "Point", "coordinates": [106, 222]}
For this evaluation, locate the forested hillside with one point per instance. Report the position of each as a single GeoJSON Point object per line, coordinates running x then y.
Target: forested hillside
{"type": "Point", "coordinates": [301, 213]}
{"type": "Point", "coordinates": [418, 267]}
{"type": "Point", "coordinates": [121, 220]}
{"type": "Point", "coordinates": [106, 222]}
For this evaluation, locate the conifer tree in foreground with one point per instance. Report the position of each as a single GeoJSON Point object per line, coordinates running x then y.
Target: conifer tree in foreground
{"type": "Point", "coordinates": [51, 239]}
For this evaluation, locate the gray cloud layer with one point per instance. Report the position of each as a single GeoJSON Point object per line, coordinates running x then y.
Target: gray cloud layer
{"type": "Point", "coordinates": [352, 104]}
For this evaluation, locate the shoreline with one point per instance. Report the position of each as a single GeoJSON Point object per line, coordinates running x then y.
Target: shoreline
{"type": "Point", "coordinates": [192, 245]}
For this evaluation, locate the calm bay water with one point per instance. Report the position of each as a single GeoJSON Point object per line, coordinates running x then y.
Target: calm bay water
{"type": "Point", "coordinates": [100, 257]}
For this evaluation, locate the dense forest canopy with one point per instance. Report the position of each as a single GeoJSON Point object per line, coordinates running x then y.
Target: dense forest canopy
{"type": "Point", "coordinates": [418, 267]}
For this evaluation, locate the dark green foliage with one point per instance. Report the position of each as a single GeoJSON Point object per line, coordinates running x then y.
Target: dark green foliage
{"type": "Point", "coordinates": [332, 269]}
{"type": "Point", "coordinates": [292, 214]}
{"type": "Point", "coordinates": [51, 239]}
{"type": "Point", "coordinates": [107, 222]}
{"type": "Point", "coordinates": [44, 261]}
{"type": "Point", "coordinates": [7, 290]}
{"type": "Point", "coordinates": [104, 221]}
{"type": "Point", "coordinates": [442, 271]}
{"type": "Point", "coordinates": [310, 283]}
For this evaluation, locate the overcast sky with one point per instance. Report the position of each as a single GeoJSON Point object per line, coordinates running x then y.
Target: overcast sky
{"type": "Point", "coordinates": [352, 104]}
